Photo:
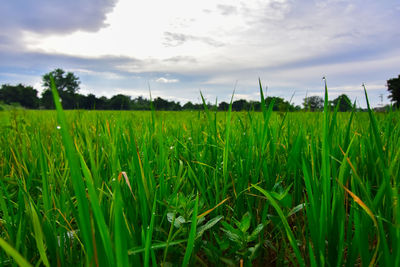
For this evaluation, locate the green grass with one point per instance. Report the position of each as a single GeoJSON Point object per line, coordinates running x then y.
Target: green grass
{"type": "Point", "coordinates": [105, 188]}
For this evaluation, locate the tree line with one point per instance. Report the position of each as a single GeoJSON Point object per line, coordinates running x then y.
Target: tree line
{"type": "Point", "coordinates": [68, 88]}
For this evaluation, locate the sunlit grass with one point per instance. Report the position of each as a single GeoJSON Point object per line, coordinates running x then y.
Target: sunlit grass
{"type": "Point", "coordinates": [199, 188]}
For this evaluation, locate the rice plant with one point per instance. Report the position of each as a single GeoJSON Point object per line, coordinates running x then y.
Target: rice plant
{"type": "Point", "coordinates": [123, 188]}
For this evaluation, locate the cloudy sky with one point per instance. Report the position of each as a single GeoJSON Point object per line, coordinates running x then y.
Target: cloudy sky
{"type": "Point", "coordinates": [179, 47]}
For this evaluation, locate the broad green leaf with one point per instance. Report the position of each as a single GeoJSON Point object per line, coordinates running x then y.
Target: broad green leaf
{"type": "Point", "coordinates": [208, 225]}
{"type": "Point", "coordinates": [245, 222]}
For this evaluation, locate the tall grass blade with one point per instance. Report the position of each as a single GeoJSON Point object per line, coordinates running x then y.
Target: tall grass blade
{"type": "Point", "coordinates": [226, 148]}
{"type": "Point", "coordinates": [149, 235]}
{"type": "Point", "coordinates": [121, 250]}
{"type": "Point", "coordinates": [14, 254]}
{"type": "Point", "coordinates": [285, 223]}
{"type": "Point", "coordinates": [38, 235]}
{"type": "Point", "coordinates": [371, 215]}
{"type": "Point", "coordinates": [76, 177]}
{"type": "Point", "coordinates": [98, 214]}
{"type": "Point", "coordinates": [192, 234]}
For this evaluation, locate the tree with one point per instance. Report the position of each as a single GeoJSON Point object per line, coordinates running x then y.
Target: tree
{"type": "Point", "coordinates": [26, 96]}
{"type": "Point", "coordinates": [67, 85]}
{"type": "Point", "coordinates": [120, 102]}
{"type": "Point", "coordinates": [280, 104]}
{"type": "Point", "coordinates": [160, 104]}
{"type": "Point", "coordinates": [102, 103]}
{"type": "Point", "coordinates": [239, 105]}
{"type": "Point", "coordinates": [394, 89]}
{"type": "Point", "coordinates": [188, 106]}
{"type": "Point", "coordinates": [223, 106]}
{"type": "Point", "coordinates": [255, 105]}
{"type": "Point", "coordinates": [140, 103]}
{"type": "Point", "coordinates": [87, 102]}
{"type": "Point", "coordinates": [313, 103]}
{"type": "Point", "coordinates": [163, 104]}
{"type": "Point", "coordinates": [344, 103]}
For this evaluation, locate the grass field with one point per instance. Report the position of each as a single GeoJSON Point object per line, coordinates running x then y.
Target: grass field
{"type": "Point", "coordinates": [199, 188]}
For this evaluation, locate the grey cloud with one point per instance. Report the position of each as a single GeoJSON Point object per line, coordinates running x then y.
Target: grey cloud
{"type": "Point", "coordinates": [227, 10]}
{"type": "Point", "coordinates": [172, 39]}
{"type": "Point", "coordinates": [54, 16]}
{"type": "Point", "coordinates": [267, 11]}
{"type": "Point", "coordinates": [43, 61]}
{"type": "Point", "coordinates": [179, 59]}
{"type": "Point", "coordinates": [8, 42]}
{"type": "Point", "coordinates": [115, 66]}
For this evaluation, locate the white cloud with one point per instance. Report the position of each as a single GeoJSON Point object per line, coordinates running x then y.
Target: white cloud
{"type": "Point", "coordinates": [247, 97]}
{"type": "Point", "coordinates": [103, 74]}
{"type": "Point", "coordinates": [165, 80]}
{"type": "Point", "coordinates": [232, 35]}
{"type": "Point", "coordinates": [289, 44]}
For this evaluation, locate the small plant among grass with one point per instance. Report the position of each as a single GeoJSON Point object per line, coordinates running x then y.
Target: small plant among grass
{"type": "Point", "coordinates": [242, 240]}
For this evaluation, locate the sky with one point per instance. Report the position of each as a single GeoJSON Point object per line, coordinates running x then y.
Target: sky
{"type": "Point", "coordinates": [178, 48]}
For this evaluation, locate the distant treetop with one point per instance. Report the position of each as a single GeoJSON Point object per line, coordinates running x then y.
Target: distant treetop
{"type": "Point", "coordinates": [394, 89]}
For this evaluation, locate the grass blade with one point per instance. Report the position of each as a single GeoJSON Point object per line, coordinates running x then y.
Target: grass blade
{"type": "Point", "coordinates": [77, 182]}
{"type": "Point", "coordinates": [38, 235]}
{"type": "Point", "coordinates": [149, 234]}
{"type": "Point", "coordinates": [192, 234]}
{"type": "Point", "coordinates": [285, 223]}
{"type": "Point", "coordinates": [371, 215]}
{"type": "Point", "coordinates": [98, 214]}
{"type": "Point", "coordinates": [14, 254]}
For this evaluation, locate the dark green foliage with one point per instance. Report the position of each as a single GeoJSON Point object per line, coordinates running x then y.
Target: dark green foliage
{"type": "Point", "coordinates": [120, 102]}
{"type": "Point", "coordinates": [67, 86]}
{"type": "Point", "coordinates": [280, 104]}
{"type": "Point", "coordinates": [223, 106]}
{"type": "Point", "coordinates": [88, 102]}
{"type": "Point", "coordinates": [65, 82]}
{"type": "Point", "coordinates": [313, 103]}
{"type": "Point", "coordinates": [240, 105]}
{"type": "Point", "coordinates": [162, 104]}
{"type": "Point", "coordinates": [47, 100]}
{"type": "Point", "coordinates": [394, 89]}
{"type": "Point", "coordinates": [26, 96]}
{"type": "Point", "coordinates": [344, 103]}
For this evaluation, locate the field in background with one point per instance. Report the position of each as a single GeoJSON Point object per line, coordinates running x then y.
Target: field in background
{"type": "Point", "coordinates": [199, 188]}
